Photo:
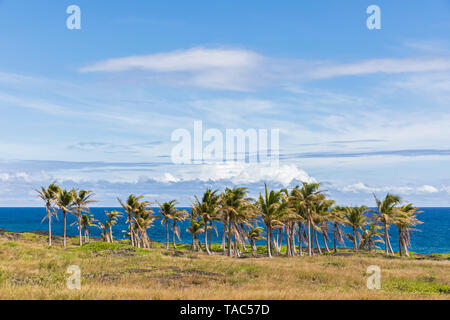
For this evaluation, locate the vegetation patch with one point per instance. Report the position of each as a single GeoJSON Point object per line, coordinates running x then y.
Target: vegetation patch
{"type": "Point", "coordinates": [416, 286]}
{"type": "Point", "coordinates": [340, 264]}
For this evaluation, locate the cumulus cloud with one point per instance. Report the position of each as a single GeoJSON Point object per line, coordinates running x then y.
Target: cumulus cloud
{"type": "Point", "coordinates": [5, 177]}
{"type": "Point", "coordinates": [427, 189]}
{"type": "Point", "coordinates": [241, 173]}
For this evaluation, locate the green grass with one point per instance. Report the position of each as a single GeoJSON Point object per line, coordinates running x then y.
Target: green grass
{"type": "Point", "coordinates": [29, 269]}
{"type": "Point", "coordinates": [416, 286]}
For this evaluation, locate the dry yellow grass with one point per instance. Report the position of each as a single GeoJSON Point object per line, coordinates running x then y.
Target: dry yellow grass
{"type": "Point", "coordinates": [31, 270]}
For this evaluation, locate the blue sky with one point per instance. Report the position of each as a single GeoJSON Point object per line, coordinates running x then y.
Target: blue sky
{"type": "Point", "coordinates": [362, 111]}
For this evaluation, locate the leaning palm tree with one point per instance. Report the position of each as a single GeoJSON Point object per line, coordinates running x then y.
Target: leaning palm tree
{"type": "Point", "coordinates": [64, 200]}
{"type": "Point", "coordinates": [104, 227]}
{"type": "Point", "coordinates": [337, 219]}
{"type": "Point", "coordinates": [355, 217]}
{"type": "Point", "coordinates": [196, 227]}
{"type": "Point", "coordinates": [235, 206]}
{"type": "Point", "coordinates": [208, 209]}
{"type": "Point", "coordinates": [87, 221]}
{"type": "Point", "coordinates": [308, 196]}
{"type": "Point", "coordinates": [132, 206]}
{"type": "Point", "coordinates": [370, 236]}
{"type": "Point", "coordinates": [254, 234]}
{"type": "Point", "coordinates": [271, 208]}
{"type": "Point", "coordinates": [385, 212]}
{"type": "Point", "coordinates": [143, 220]}
{"type": "Point", "coordinates": [113, 217]}
{"type": "Point", "coordinates": [81, 202]}
{"type": "Point", "coordinates": [405, 220]}
{"type": "Point", "coordinates": [177, 216]}
{"type": "Point", "coordinates": [167, 210]}
{"type": "Point", "coordinates": [48, 195]}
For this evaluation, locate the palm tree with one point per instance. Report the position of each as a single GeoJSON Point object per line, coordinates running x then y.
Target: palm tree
{"type": "Point", "coordinates": [271, 210]}
{"type": "Point", "coordinates": [167, 210]}
{"type": "Point", "coordinates": [132, 207]}
{"type": "Point", "coordinates": [48, 195]}
{"type": "Point", "coordinates": [355, 217]}
{"type": "Point", "coordinates": [81, 201]}
{"type": "Point", "coordinates": [177, 215]}
{"type": "Point", "coordinates": [385, 212]}
{"type": "Point", "coordinates": [235, 207]}
{"type": "Point", "coordinates": [299, 212]}
{"type": "Point", "coordinates": [87, 221]}
{"type": "Point", "coordinates": [196, 227]}
{"type": "Point", "coordinates": [143, 220]}
{"type": "Point", "coordinates": [105, 230]}
{"type": "Point", "coordinates": [254, 234]}
{"type": "Point", "coordinates": [405, 219]}
{"type": "Point", "coordinates": [308, 196]}
{"type": "Point", "coordinates": [208, 209]}
{"type": "Point", "coordinates": [113, 217]}
{"type": "Point", "coordinates": [337, 218]}
{"type": "Point", "coordinates": [370, 236]}
{"type": "Point", "coordinates": [64, 200]}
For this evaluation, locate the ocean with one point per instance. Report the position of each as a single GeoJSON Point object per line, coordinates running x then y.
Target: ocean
{"type": "Point", "coordinates": [433, 235]}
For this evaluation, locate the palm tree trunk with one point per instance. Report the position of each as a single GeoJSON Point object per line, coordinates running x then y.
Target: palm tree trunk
{"type": "Point", "coordinates": [288, 242]}
{"type": "Point", "coordinates": [174, 231]}
{"type": "Point", "coordinates": [206, 238]}
{"type": "Point", "coordinates": [49, 229]}
{"type": "Point", "coordinates": [405, 246]}
{"type": "Point", "coordinates": [309, 239]}
{"type": "Point", "coordinates": [269, 251]}
{"type": "Point", "coordinates": [253, 247]}
{"type": "Point", "coordinates": [300, 240]}
{"type": "Point", "coordinates": [210, 235]}
{"type": "Point", "coordinates": [167, 234]}
{"type": "Point", "coordinates": [224, 235]}
{"type": "Point", "coordinates": [325, 241]}
{"type": "Point", "coordinates": [110, 233]}
{"type": "Point", "coordinates": [79, 228]}
{"type": "Point", "coordinates": [294, 251]}
{"type": "Point", "coordinates": [317, 242]}
{"type": "Point", "coordinates": [385, 238]}
{"type": "Point", "coordinates": [354, 239]}
{"type": "Point", "coordinates": [389, 243]}
{"type": "Point", "coordinates": [400, 242]}
{"type": "Point", "coordinates": [65, 226]}
{"type": "Point", "coordinates": [229, 237]}
{"type": "Point", "coordinates": [334, 236]}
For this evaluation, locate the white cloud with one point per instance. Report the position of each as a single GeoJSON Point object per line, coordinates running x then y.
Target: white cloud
{"type": "Point", "coordinates": [167, 178]}
{"type": "Point", "coordinates": [5, 177]}
{"type": "Point", "coordinates": [242, 173]}
{"type": "Point", "coordinates": [230, 69]}
{"type": "Point", "coordinates": [195, 59]}
{"type": "Point", "coordinates": [363, 188]}
{"type": "Point", "coordinates": [388, 66]}
{"type": "Point", "coordinates": [427, 189]}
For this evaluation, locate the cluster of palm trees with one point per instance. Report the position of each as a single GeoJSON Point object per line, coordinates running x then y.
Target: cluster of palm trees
{"type": "Point", "coordinates": [296, 218]}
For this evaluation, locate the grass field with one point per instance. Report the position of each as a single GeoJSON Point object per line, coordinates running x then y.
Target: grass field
{"type": "Point", "coordinates": [29, 269]}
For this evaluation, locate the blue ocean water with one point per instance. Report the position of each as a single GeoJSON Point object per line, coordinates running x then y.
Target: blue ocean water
{"type": "Point", "coordinates": [433, 235]}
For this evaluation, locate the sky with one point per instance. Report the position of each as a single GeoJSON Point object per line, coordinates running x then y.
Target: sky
{"type": "Point", "coordinates": [361, 111]}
